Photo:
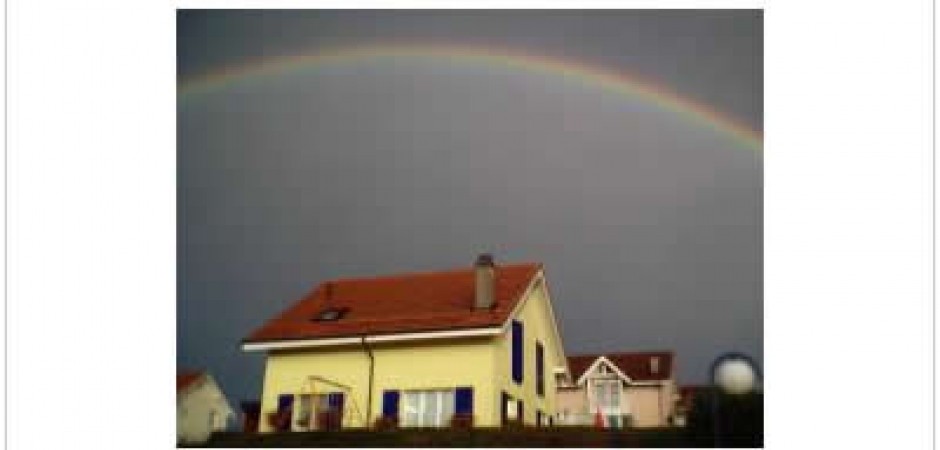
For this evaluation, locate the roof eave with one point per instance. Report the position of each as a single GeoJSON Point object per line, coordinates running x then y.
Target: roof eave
{"type": "Point", "coordinates": [285, 344]}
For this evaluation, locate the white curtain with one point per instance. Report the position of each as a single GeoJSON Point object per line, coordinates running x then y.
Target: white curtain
{"type": "Point", "coordinates": [427, 408]}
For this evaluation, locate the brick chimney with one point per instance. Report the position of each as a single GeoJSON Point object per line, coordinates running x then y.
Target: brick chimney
{"type": "Point", "coordinates": [484, 295]}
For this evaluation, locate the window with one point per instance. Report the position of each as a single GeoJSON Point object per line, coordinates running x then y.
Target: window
{"type": "Point", "coordinates": [539, 369]}
{"type": "Point", "coordinates": [607, 396]}
{"type": "Point", "coordinates": [427, 408]}
{"type": "Point", "coordinates": [305, 415]}
{"type": "Point", "coordinates": [321, 411]}
{"type": "Point", "coordinates": [324, 411]}
{"type": "Point", "coordinates": [330, 314]}
{"type": "Point", "coordinates": [505, 406]}
{"type": "Point", "coordinates": [285, 402]}
{"type": "Point", "coordinates": [517, 339]}
{"type": "Point", "coordinates": [511, 409]}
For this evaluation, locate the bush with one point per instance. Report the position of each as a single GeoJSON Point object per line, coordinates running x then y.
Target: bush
{"type": "Point", "coordinates": [739, 421]}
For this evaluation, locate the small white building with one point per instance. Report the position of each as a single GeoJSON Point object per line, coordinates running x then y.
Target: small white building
{"type": "Point", "coordinates": [201, 407]}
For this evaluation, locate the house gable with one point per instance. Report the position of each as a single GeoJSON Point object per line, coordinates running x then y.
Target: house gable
{"type": "Point", "coordinates": [528, 356]}
{"type": "Point", "coordinates": [595, 367]}
{"type": "Point", "coordinates": [537, 293]}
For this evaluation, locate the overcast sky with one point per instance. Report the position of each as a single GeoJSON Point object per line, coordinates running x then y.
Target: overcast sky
{"type": "Point", "coordinates": [648, 222]}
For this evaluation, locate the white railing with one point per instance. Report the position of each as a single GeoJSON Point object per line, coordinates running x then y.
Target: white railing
{"type": "Point", "coordinates": [576, 419]}
{"type": "Point", "coordinates": [588, 419]}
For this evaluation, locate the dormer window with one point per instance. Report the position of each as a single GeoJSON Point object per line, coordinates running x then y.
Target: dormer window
{"type": "Point", "coordinates": [330, 314]}
{"type": "Point", "coordinates": [654, 364]}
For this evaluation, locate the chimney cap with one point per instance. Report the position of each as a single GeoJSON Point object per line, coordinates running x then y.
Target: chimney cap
{"type": "Point", "coordinates": [484, 259]}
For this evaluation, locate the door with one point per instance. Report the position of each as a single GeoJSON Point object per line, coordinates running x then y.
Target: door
{"type": "Point", "coordinates": [336, 402]}
{"type": "Point", "coordinates": [285, 410]}
{"type": "Point", "coordinates": [328, 411]}
{"type": "Point", "coordinates": [607, 401]}
{"type": "Point", "coordinates": [305, 413]}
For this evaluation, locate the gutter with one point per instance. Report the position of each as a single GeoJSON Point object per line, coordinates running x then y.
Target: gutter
{"type": "Point", "coordinates": [368, 350]}
{"type": "Point", "coordinates": [284, 344]}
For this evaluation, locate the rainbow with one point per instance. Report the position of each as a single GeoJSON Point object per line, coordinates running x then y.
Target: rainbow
{"type": "Point", "coordinates": [629, 85]}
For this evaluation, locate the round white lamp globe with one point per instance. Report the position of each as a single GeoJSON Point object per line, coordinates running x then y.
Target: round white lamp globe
{"type": "Point", "coordinates": [735, 376]}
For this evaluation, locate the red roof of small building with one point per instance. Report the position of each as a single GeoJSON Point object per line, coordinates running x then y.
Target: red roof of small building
{"type": "Point", "coordinates": [185, 379]}
{"type": "Point", "coordinates": [415, 302]}
{"type": "Point", "coordinates": [637, 366]}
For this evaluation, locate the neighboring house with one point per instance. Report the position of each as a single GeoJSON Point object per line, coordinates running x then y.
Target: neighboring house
{"type": "Point", "coordinates": [471, 347]}
{"type": "Point", "coordinates": [201, 407]}
{"type": "Point", "coordinates": [687, 395]}
{"type": "Point", "coordinates": [619, 390]}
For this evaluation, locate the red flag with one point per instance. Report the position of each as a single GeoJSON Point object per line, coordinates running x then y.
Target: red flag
{"type": "Point", "coordinates": [599, 419]}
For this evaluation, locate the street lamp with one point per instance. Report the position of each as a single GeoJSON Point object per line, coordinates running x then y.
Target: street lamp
{"type": "Point", "coordinates": [734, 374]}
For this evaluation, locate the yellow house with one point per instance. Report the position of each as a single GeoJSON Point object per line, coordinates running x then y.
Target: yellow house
{"type": "Point", "coordinates": [477, 346]}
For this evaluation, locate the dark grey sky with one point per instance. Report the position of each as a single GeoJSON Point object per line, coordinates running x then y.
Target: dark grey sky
{"type": "Point", "coordinates": [649, 224]}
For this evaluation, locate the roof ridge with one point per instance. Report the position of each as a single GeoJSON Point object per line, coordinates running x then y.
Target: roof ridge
{"type": "Point", "coordinates": [644, 352]}
{"type": "Point", "coordinates": [395, 318]}
{"type": "Point", "coordinates": [424, 273]}
{"type": "Point", "coordinates": [640, 353]}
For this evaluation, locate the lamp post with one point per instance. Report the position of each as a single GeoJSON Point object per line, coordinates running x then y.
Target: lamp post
{"type": "Point", "coordinates": [733, 374]}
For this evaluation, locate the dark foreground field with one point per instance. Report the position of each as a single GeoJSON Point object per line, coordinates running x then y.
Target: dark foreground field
{"type": "Point", "coordinates": [558, 437]}
{"type": "Point", "coordinates": [740, 424]}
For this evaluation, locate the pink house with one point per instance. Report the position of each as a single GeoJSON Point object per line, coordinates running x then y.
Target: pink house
{"type": "Point", "coordinates": [619, 390]}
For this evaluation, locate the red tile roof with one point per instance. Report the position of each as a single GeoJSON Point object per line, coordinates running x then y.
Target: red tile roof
{"type": "Point", "coordinates": [399, 303]}
{"type": "Point", "coordinates": [637, 366]}
{"type": "Point", "coordinates": [184, 379]}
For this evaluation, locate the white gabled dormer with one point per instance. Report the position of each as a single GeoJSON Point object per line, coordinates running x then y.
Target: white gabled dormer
{"type": "Point", "coordinates": [604, 384]}
{"type": "Point", "coordinates": [603, 368]}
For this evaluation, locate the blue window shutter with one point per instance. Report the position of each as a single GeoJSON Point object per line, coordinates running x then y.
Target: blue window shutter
{"type": "Point", "coordinates": [285, 402]}
{"type": "Point", "coordinates": [539, 369]}
{"type": "Point", "coordinates": [517, 340]}
{"type": "Point", "coordinates": [390, 403]}
{"type": "Point", "coordinates": [463, 400]}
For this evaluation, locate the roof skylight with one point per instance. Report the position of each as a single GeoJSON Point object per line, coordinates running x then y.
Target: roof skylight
{"type": "Point", "coordinates": [330, 314]}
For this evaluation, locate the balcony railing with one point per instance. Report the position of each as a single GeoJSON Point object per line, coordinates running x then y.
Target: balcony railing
{"type": "Point", "coordinates": [590, 420]}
